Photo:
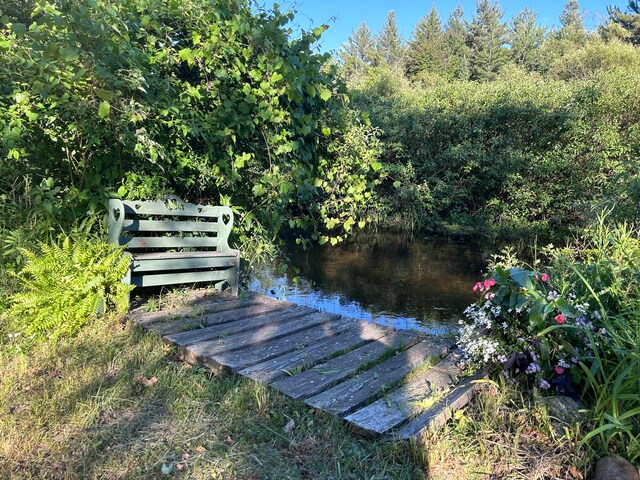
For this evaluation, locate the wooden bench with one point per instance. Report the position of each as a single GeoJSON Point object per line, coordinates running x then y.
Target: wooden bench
{"type": "Point", "coordinates": [173, 242]}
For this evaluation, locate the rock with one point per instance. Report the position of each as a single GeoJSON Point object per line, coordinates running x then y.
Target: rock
{"type": "Point", "coordinates": [615, 468]}
{"type": "Point", "coordinates": [565, 409]}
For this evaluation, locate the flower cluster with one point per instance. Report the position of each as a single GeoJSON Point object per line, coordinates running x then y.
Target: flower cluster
{"type": "Point", "coordinates": [526, 330]}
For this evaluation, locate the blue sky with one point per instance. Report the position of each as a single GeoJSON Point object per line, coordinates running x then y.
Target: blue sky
{"type": "Point", "coordinates": [343, 16]}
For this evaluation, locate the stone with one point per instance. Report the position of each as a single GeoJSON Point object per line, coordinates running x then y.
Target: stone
{"type": "Point", "coordinates": [615, 468]}
{"type": "Point", "coordinates": [564, 409]}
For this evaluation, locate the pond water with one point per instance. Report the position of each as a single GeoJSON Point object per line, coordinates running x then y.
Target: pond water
{"type": "Point", "coordinates": [423, 283]}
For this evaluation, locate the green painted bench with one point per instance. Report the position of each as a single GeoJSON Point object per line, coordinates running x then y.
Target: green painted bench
{"type": "Point", "coordinates": [173, 242]}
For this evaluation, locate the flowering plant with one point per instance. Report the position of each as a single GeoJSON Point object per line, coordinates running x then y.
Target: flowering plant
{"type": "Point", "coordinates": [522, 327]}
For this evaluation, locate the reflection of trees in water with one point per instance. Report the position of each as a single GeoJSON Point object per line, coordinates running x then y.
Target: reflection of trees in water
{"type": "Point", "coordinates": [387, 272]}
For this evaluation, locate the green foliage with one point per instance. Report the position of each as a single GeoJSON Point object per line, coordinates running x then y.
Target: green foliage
{"type": "Point", "coordinates": [525, 154]}
{"type": "Point", "coordinates": [575, 328]}
{"type": "Point", "coordinates": [425, 50]}
{"type": "Point", "coordinates": [624, 26]}
{"type": "Point", "coordinates": [212, 101]}
{"type": "Point", "coordinates": [359, 51]}
{"type": "Point", "coordinates": [390, 44]}
{"type": "Point", "coordinates": [64, 285]}
{"type": "Point", "coordinates": [487, 36]}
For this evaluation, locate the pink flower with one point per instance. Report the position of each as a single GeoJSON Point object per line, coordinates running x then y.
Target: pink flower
{"type": "Point", "coordinates": [545, 277]}
{"type": "Point", "coordinates": [560, 318]}
{"type": "Point", "coordinates": [559, 370]}
{"type": "Point", "coordinates": [478, 286]}
{"type": "Point", "coordinates": [488, 283]}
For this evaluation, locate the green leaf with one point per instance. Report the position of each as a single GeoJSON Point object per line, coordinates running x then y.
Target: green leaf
{"type": "Point", "coordinates": [186, 55]}
{"type": "Point", "coordinates": [70, 54]}
{"type": "Point", "coordinates": [565, 308]}
{"type": "Point", "coordinates": [105, 94]}
{"type": "Point", "coordinates": [311, 91]}
{"type": "Point", "coordinates": [522, 278]}
{"type": "Point", "coordinates": [325, 93]}
{"type": "Point", "coordinates": [396, 184]}
{"type": "Point", "coordinates": [19, 29]}
{"type": "Point", "coordinates": [104, 109]}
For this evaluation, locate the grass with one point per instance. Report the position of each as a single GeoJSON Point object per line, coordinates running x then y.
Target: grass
{"type": "Point", "coordinates": [74, 409]}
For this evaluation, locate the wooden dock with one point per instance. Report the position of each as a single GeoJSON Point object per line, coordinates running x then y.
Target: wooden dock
{"type": "Point", "coordinates": [382, 381]}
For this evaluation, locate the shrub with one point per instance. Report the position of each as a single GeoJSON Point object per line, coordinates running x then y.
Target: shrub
{"type": "Point", "coordinates": [571, 327]}
{"type": "Point", "coordinates": [64, 285]}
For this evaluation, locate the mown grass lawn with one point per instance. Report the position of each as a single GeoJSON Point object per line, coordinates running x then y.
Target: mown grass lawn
{"type": "Point", "coordinates": [77, 409]}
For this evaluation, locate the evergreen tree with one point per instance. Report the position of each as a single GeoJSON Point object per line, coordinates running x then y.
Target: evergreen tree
{"type": "Point", "coordinates": [526, 38]}
{"type": "Point", "coordinates": [572, 23]}
{"type": "Point", "coordinates": [390, 44]}
{"type": "Point", "coordinates": [455, 45]}
{"type": "Point", "coordinates": [359, 51]}
{"type": "Point", "coordinates": [425, 50]}
{"type": "Point", "coordinates": [486, 38]}
{"type": "Point", "coordinates": [625, 26]}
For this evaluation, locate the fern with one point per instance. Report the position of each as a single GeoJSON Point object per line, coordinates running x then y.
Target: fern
{"type": "Point", "coordinates": [65, 285]}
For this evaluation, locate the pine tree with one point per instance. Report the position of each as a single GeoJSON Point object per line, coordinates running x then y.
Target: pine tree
{"type": "Point", "coordinates": [390, 44]}
{"type": "Point", "coordinates": [526, 38]}
{"type": "Point", "coordinates": [487, 36]}
{"type": "Point", "coordinates": [572, 23]}
{"type": "Point", "coordinates": [625, 26]}
{"type": "Point", "coordinates": [455, 45]}
{"type": "Point", "coordinates": [425, 50]}
{"type": "Point", "coordinates": [359, 51]}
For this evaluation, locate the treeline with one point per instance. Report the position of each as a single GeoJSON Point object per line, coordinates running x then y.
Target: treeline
{"type": "Point", "coordinates": [498, 127]}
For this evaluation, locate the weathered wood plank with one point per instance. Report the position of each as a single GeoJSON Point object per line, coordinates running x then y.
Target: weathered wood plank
{"type": "Point", "coordinates": [277, 368]}
{"type": "Point", "coordinates": [403, 403]}
{"type": "Point", "coordinates": [318, 378]}
{"type": "Point", "coordinates": [182, 209]}
{"type": "Point", "coordinates": [153, 265]}
{"type": "Point", "coordinates": [199, 306]}
{"type": "Point", "coordinates": [182, 277]}
{"type": "Point", "coordinates": [255, 338]}
{"type": "Point", "coordinates": [179, 255]}
{"type": "Point", "coordinates": [438, 415]}
{"type": "Point", "coordinates": [351, 394]}
{"type": "Point", "coordinates": [220, 317]}
{"type": "Point", "coordinates": [168, 242]}
{"type": "Point", "coordinates": [280, 316]}
{"type": "Point", "coordinates": [169, 226]}
{"type": "Point", "coordinates": [237, 360]}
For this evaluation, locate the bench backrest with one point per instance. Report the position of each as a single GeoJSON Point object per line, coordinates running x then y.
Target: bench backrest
{"type": "Point", "coordinates": [168, 225]}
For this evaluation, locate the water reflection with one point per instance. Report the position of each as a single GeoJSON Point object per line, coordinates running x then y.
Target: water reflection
{"type": "Point", "coordinates": [384, 278]}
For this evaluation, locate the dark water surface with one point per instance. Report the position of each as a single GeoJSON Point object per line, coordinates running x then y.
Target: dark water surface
{"type": "Point", "coordinates": [423, 283]}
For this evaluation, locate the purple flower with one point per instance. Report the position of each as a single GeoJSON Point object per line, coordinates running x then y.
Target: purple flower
{"type": "Point", "coordinates": [544, 385]}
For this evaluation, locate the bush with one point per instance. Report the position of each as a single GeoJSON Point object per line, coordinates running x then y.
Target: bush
{"type": "Point", "coordinates": [64, 285]}
{"type": "Point", "coordinates": [571, 327]}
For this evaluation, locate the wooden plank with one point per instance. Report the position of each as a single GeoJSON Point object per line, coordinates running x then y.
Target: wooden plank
{"type": "Point", "coordinates": [277, 368]}
{"type": "Point", "coordinates": [182, 210]}
{"type": "Point", "coordinates": [351, 394]}
{"type": "Point", "coordinates": [180, 255]}
{"type": "Point", "coordinates": [237, 360]}
{"type": "Point", "coordinates": [220, 317]}
{"type": "Point", "coordinates": [209, 304]}
{"type": "Point", "coordinates": [441, 412]}
{"type": "Point", "coordinates": [169, 226]}
{"type": "Point", "coordinates": [183, 277]}
{"type": "Point", "coordinates": [320, 377]}
{"type": "Point", "coordinates": [150, 265]}
{"type": "Point", "coordinates": [169, 242]}
{"type": "Point", "coordinates": [257, 337]}
{"type": "Point", "coordinates": [403, 403]}
{"type": "Point", "coordinates": [254, 322]}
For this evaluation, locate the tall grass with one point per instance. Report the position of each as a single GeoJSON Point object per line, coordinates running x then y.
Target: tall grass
{"type": "Point", "coordinates": [605, 271]}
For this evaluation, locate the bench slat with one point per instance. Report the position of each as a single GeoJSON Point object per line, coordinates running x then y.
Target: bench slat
{"type": "Point", "coordinates": [168, 242]}
{"type": "Point", "coordinates": [181, 264]}
{"type": "Point", "coordinates": [173, 278]}
{"type": "Point", "coordinates": [160, 208]}
{"type": "Point", "coordinates": [169, 226]}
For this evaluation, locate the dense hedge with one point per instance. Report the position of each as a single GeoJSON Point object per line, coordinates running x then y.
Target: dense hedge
{"type": "Point", "coordinates": [523, 154]}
